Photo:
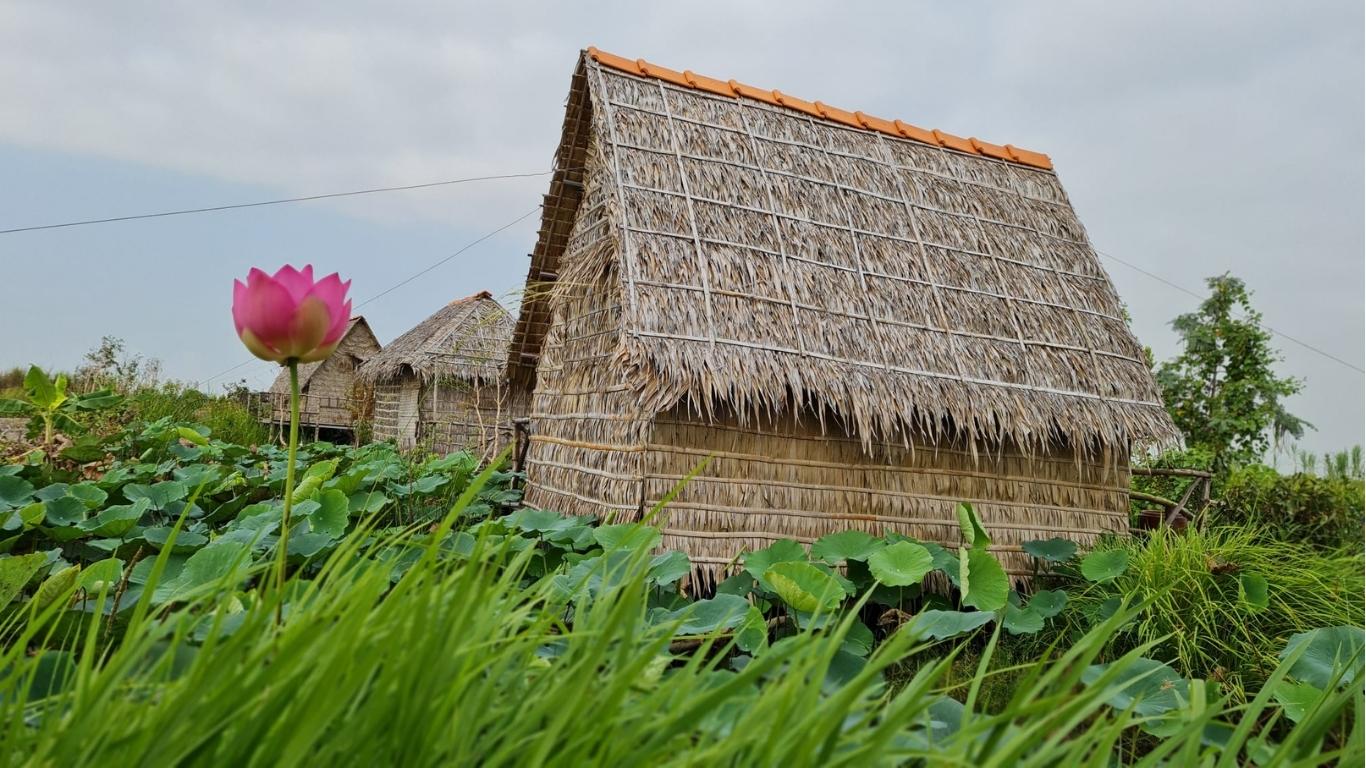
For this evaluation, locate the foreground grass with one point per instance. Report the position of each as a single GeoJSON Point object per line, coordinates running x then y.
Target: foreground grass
{"type": "Point", "coordinates": [456, 654]}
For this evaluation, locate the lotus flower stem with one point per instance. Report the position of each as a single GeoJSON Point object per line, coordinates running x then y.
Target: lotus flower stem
{"type": "Point", "coordinates": [289, 485]}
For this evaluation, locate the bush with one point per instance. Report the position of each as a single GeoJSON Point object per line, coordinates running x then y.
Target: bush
{"type": "Point", "coordinates": [1203, 601]}
{"type": "Point", "coordinates": [228, 419]}
{"type": "Point", "coordinates": [1325, 512]}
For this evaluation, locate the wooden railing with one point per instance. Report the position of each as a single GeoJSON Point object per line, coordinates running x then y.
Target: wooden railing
{"type": "Point", "coordinates": [1179, 513]}
{"type": "Point", "coordinates": [314, 410]}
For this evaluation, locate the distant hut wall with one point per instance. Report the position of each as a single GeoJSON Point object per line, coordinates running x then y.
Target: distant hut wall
{"type": "Point", "coordinates": [463, 414]}
{"type": "Point", "coordinates": [385, 421]}
{"type": "Point", "coordinates": [788, 479]}
{"type": "Point", "coordinates": [328, 391]}
{"type": "Point", "coordinates": [328, 400]}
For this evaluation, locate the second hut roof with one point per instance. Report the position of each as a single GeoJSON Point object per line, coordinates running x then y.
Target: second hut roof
{"type": "Point", "coordinates": [465, 339]}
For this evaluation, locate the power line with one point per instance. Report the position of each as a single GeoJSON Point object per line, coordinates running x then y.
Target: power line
{"type": "Point", "coordinates": [1189, 292]}
{"type": "Point", "coordinates": [210, 209]}
{"type": "Point", "coordinates": [400, 284]}
{"type": "Point", "coordinates": [466, 247]}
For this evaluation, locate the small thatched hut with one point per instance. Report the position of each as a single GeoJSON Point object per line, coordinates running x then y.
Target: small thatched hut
{"type": "Point", "coordinates": [329, 399]}
{"type": "Point", "coordinates": [859, 321]}
{"type": "Point", "coordinates": [440, 384]}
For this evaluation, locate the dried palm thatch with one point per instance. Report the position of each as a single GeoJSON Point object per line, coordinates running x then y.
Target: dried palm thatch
{"type": "Point", "coordinates": [327, 386]}
{"type": "Point", "coordinates": [440, 384]}
{"type": "Point", "coordinates": [864, 327]}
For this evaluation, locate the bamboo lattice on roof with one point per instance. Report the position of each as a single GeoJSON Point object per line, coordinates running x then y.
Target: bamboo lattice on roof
{"type": "Point", "coordinates": [777, 256]}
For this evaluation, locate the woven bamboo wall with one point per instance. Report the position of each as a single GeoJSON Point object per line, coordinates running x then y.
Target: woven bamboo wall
{"type": "Point", "coordinates": [459, 415]}
{"type": "Point", "coordinates": [384, 423]}
{"type": "Point", "coordinates": [584, 456]}
{"type": "Point", "coordinates": [785, 479]}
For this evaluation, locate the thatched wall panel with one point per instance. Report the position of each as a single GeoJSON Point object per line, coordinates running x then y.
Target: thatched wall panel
{"type": "Point", "coordinates": [384, 423]}
{"type": "Point", "coordinates": [1089, 294]}
{"type": "Point", "coordinates": [646, 129]}
{"type": "Point", "coordinates": [921, 350]}
{"type": "Point", "coordinates": [1056, 368]}
{"type": "Point", "coordinates": [891, 256]}
{"type": "Point", "coordinates": [694, 139]}
{"type": "Point", "coordinates": [735, 225]}
{"type": "Point", "coordinates": [804, 199]}
{"type": "Point", "coordinates": [793, 159]}
{"type": "Point", "coordinates": [950, 231]}
{"type": "Point", "coordinates": [977, 170]}
{"type": "Point", "coordinates": [957, 269]}
{"type": "Point", "coordinates": [671, 311]}
{"type": "Point", "coordinates": [1127, 378]}
{"type": "Point", "coordinates": [825, 243]}
{"type": "Point", "coordinates": [1106, 334]}
{"type": "Point", "coordinates": [941, 193]}
{"type": "Point", "coordinates": [657, 211]}
{"type": "Point", "coordinates": [663, 256]}
{"type": "Point", "coordinates": [868, 176]}
{"type": "Point", "coordinates": [748, 271]}
{"type": "Point", "coordinates": [842, 337]}
{"type": "Point", "coordinates": [655, 170]}
{"type": "Point", "coordinates": [907, 302]}
{"type": "Point", "coordinates": [978, 313]}
{"type": "Point", "coordinates": [1030, 182]}
{"type": "Point", "coordinates": [991, 358]}
{"type": "Point", "coordinates": [1054, 219]}
{"type": "Point", "coordinates": [878, 215]}
{"type": "Point", "coordinates": [846, 141]}
{"type": "Point", "coordinates": [910, 154]}
{"type": "Point", "coordinates": [751, 321]}
{"type": "Point", "coordinates": [721, 113]}
{"type": "Point", "coordinates": [768, 123]}
{"type": "Point", "coordinates": [815, 285]}
{"type": "Point", "coordinates": [729, 183]}
{"type": "Point", "coordinates": [644, 94]}
{"type": "Point", "coordinates": [787, 479]}
{"type": "Point", "coordinates": [1038, 322]}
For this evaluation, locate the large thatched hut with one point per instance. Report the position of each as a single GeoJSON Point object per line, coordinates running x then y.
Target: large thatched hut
{"type": "Point", "coordinates": [440, 384]}
{"type": "Point", "coordinates": [328, 396]}
{"type": "Point", "coordinates": [860, 322]}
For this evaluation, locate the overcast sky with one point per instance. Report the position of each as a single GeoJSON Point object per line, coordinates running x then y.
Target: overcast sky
{"type": "Point", "coordinates": [1193, 139]}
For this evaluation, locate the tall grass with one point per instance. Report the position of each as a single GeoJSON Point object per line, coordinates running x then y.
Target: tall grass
{"type": "Point", "coordinates": [1195, 605]}
{"type": "Point", "coordinates": [229, 419]}
{"type": "Point", "coordinates": [468, 660]}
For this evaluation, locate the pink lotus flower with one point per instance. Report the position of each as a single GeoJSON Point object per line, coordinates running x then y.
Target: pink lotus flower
{"type": "Point", "coordinates": [289, 317]}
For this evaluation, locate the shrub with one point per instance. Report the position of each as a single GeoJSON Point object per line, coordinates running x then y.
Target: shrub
{"type": "Point", "coordinates": [228, 419]}
{"type": "Point", "coordinates": [1325, 512]}
{"type": "Point", "coordinates": [1205, 603]}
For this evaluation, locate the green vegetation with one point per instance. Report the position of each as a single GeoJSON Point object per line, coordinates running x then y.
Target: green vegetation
{"type": "Point", "coordinates": [1222, 390]}
{"type": "Point", "coordinates": [1221, 603]}
{"type": "Point", "coordinates": [423, 623]}
{"type": "Point", "coordinates": [1325, 512]}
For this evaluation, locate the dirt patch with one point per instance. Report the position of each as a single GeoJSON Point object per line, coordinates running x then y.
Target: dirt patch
{"type": "Point", "coordinates": [12, 430]}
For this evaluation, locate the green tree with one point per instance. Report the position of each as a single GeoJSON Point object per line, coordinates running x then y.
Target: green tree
{"type": "Point", "coordinates": [1222, 390]}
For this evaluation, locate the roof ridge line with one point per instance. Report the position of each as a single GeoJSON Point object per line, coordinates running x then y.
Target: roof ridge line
{"type": "Point", "coordinates": [934, 137]}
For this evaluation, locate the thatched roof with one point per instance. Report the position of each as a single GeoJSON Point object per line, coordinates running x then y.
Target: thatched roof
{"type": "Point", "coordinates": [465, 339]}
{"type": "Point", "coordinates": [774, 252]}
{"type": "Point", "coordinates": [358, 337]}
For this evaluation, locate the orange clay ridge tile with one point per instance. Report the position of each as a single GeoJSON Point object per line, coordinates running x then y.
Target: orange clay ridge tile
{"type": "Point", "coordinates": [730, 88]}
